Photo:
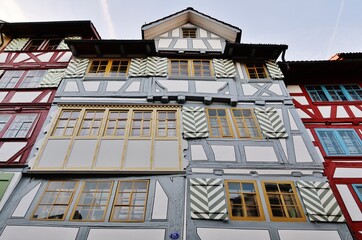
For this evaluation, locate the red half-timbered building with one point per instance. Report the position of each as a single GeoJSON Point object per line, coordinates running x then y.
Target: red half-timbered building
{"type": "Point", "coordinates": [328, 97]}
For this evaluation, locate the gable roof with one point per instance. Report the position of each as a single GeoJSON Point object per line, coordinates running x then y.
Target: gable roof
{"type": "Point", "coordinates": [190, 15]}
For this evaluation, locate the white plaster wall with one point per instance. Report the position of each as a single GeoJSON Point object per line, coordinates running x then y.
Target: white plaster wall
{"type": "Point", "coordinates": [302, 114]}
{"type": "Point", "coordinates": [238, 67]}
{"type": "Point", "coordinates": [110, 154]}
{"type": "Point", "coordinates": [348, 173]}
{"type": "Point", "coordinates": [134, 157]}
{"type": "Point", "coordinates": [283, 142]}
{"type": "Point", "coordinates": [198, 153]}
{"type": "Point", "coordinates": [38, 233]}
{"type": "Point", "coordinates": [181, 43]}
{"type": "Point", "coordinates": [175, 32]}
{"type": "Point", "coordinates": [8, 149]}
{"type": "Point", "coordinates": [219, 233]}
{"type": "Point", "coordinates": [9, 190]}
{"type": "Point", "coordinates": [208, 86]}
{"type": "Point", "coordinates": [294, 89]}
{"type": "Point", "coordinates": [166, 154]}
{"type": "Point", "coordinates": [198, 43]}
{"type": "Point", "coordinates": [341, 112]}
{"type": "Point", "coordinates": [301, 100]}
{"type": "Point", "coordinates": [66, 57]}
{"type": "Point", "coordinates": [3, 95]}
{"type": "Point", "coordinates": [325, 111]}
{"type": "Point", "coordinates": [301, 151]}
{"type": "Point", "coordinates": [160, 204]}
{"type": "Point", "coordinates": [71, 86]}
{"type": "Point", "coordinates": [321, 158]}
{"type": "Point", "coordinates": [25, 202]}
{"type": "Point", "coordinates": [82, 153]}
{"type": "Point", "coordinates": [224, 153]}
{"type": "Point", "coordinates": [351, 205]}
{"type": "Point", "coordinates": [91, 86]}
{"type": "Point", "coordinates": [310, 134]}
{"type": "Point", "coordinates": [24, 96]}
{"type": "Point", "coordinates": [132, 234]}
{"type": "Point", "coordinates": [276, 89]}
{"type": "Point", "coordinates": [133, 87]}
{"type": "Point", "coordinates": [3, 57]}
{"type": "Point", "coordinates": [45, 57]}
{"type": "Point", "coordinates": [46, 98]}
{"type": "Point", "coordinates": [54, 153]}
{"type": "Point", "coordinates": [308, 234]}
{"type": "Point", "coordinates": [356, 111]}
{"type": "Point", "coordinates": [114, 86]}
{"type": "Point", "coordinates": [215, 44]}
{"type": "Point", "coordinates": [175, 85]}
{"type": "Point", "coordinates": [203, 33]}
{"type": "Point", "coordinates": [164, 43]}
{"type": "Point", "coordinates": [260, 154]}
{"type": "Point", "coordinates": [248, 90]}
{"type": "Point", "coordinates": [293, 125]}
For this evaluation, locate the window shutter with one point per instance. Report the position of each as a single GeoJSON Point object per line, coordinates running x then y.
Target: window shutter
{"type": "Point", "coordinates": [207, 199]}
{"type": "Point", "coordinates": [194, 122]}
{"type": "Point", "coordinates": [52, 78]}
{"type": "Point", "coordinates": [5, 179]}
{"type": "Point", "coordinates": [274, 70]}
{"type": "Point", "coordinates": [320, 202]}
{"type": "Point", "coordinates": [224, 68]}
{"type": "Point", "coordinates": [63, 46]}
{"type": "Point", "coordinates": [151, 66]}
{"type": "Point", "coordinates": [270, 122]}
{"type": "Point", "coordinates": [76, 68]}
{"type": "Point", "coordinates": [16, 44]}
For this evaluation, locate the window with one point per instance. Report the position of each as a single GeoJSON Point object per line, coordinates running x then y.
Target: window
{"type": "Point", "coordinates": [219, 123]}
{"type": "Point", "coordinates": [116, 123]}
{"type": "Point", "coordinates": [21, 126]}
{"type": "Point", "coordinates": [55, 201]}
{"type": "Point", "coordinates": [130, 201]}
{"type": "Point", "coordinates": [245, 121]}
{"type": "Point", "coordinates": [166, 124]}
{"type": "Point", "coordinates": [93, 201]}
{"type": "Point", "coordinates": [190, 68]}
{"type": "Point", "coordinates": [244, 201]}
{"type": "Point", "coordinates": [22, 79]}
{"type": "Point", "coordinates": [108, 68]}
{"type": "Point", "coordinates": [339, 142]}
{"type": "Point", "coordinates": [358, 189]}
{"type": "Point", "coordinates": [91, 123]}
{"type": "Point", "coordinates": [283, 202]}
{"type": "Point", "coordinates": [324, 93]}
{"type": "Point", "coordinates": [4, 118]}
{"type": "Point", "coordinates": [66, 123]}
{"type": "Point", "coordinates": [256, 71]}
{"type": "Point", "coordinates": [189, 32]}
{"type": "Point", "coordinates": [42, 44]}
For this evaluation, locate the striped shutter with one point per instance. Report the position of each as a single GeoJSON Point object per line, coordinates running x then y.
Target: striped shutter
{"type": "Point", "coordinates": [194, 122]}
{"type": "Point", "coordinates": [320, 202]}
{"type": "Point", "coordinates": [76, 68]}
{"type": "Point", "coordinates": [270, 122]}
{"type": "Point", "coordinates": [63, 46]}
{"type": "Point", "coordinates": [16, 44]}
{"type": "Point", "coordinates": [274, 70]}
{"type": "Point", "coordinates": [52, 78]}
{"type": "Point", "coordinates": [5, 179]}
{"type": "Point", "coordinates": [224, 68]}
{"type": "Point", "coordinates": [151, 66]}
{"type": "Point", "coordinates": [207, 199]}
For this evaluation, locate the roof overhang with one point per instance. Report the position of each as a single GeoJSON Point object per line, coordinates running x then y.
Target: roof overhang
{"type": "Point", "coordinates": [254, 51]}
{"type": "Point", "coordinates": [59, 29]}
{"type": "Point", "coordinates": [112, 48]}
{"type": "Point", "coordinates": [189, 15]}
{"type": "Point", "coordinates": [322, 72]}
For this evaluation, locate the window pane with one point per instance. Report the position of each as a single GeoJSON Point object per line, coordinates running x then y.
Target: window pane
{"type": "Point", "coordinates": [21, 126]}
{"type": "Point", "coordinates": [10, 78]}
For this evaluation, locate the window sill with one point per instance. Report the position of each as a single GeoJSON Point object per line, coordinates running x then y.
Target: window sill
{"type": "Point", "coordinates": [191, 78]}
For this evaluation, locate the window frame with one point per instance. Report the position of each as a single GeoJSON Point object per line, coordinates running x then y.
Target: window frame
{"type": "Point", "coordinates": [229, 125]}
{"type": "Point", "coordinates": [44, 46]}
{"type": "Point", "coordinates": [325, 91]}
{"type": "Point", "coordinates": [255, 66]}
{"type": "Point", "coordinates": [358, 193]}
{"type": "Point", "coordinates": [11, 121]}
{"type": "Point", "coordinates": [22, 78]}
{"type": "Point", "coordinates": [254, 119]}
{"type": "Point", "coordinates": [73, 193]}
{"type": "Point", "coordinates": [261, 217]}
{"type": "Point", "coordinates": [114, 205]}
{"type": "Point", "coordinates": [189, 32]}
{"type": "Point", "coordinates": [339, 140]}
{"type": "Point", "coordinates": [107, 71]}
{"type": "Point", "coordinates": [190, 68]}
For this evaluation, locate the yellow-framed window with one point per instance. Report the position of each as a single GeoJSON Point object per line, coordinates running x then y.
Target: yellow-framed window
{"type": "Point", "coordinates": [191, 68]}
{"type": "Point", "coordinates": [219, 125]}
{"type": "Point", "coordinates": [91, 123]}
{"type": "Point", "coordinates": [116, 123]}
{"type": "Point", "coordinates": [244, 201]}
{"type": "Point", "coordinates": [246, 123]}
{"type": "Point", "coordinates": [130, 201]}
{"type": "Point", "coordinates": [283, 202]}
{"type": "Point", "coordinates": [256, 71]}
{"type": "Point", "coordinates": [189, 32]}
{"type": "Point", "coordinates": [66, 123]}
{"type": "Point", "coordinates": [108, 68]}
{"type": "Point", "coordinates": [166, 123]}
{"type": "Point", "coordinates": [93, 201]}
{"type": "Point", "coordinates": [55, 201]}
{"type": "Point", "coordinates": [141, 124]}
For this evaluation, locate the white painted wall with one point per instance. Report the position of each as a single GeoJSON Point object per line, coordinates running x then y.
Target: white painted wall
{"type": "Point", "coordinates": [260, 154]}
{"type": "Point", "coordinates": [308, 234]}
{"type": "Point", "coordinates": [160, 204]}
{"type": "Point", "coordinates": [224, 153]}
{"type": "Point", "coordinates": [301, 151]}
{"type": "Point", "coordinates": [134, 234]}
{"type": "Point", "coordinates": [38, 233]}
{"type": "Point", "coordinates": [351, 205]}
{"type": "Point", "coordinates": [220, 233]}
{"type": "Point", "coordinates": [25, 202]}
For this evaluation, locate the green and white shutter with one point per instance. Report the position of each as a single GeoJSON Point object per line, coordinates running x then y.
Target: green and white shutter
{"type": "Point", "coordinates": [224, 68]}
{"type": "Point", "coordinates": [76, 68]}
{"type": "Point", "coordinates": [270, 122]}
{"type": "Point", "coordinates": [16, 44]}
{"type": "Point", "coordinates": [63, 46]}
{"type": "Point", "coordinates": [320, 202]}
{"type": "Point", "coordinates": [151, 66]}
{"type": "Point", "coordinates": [194, 122]}
{"type": "Point", "coordinates": [5, 179]}
{"type": "Point", "coordinates": [52, 78]}
{"type": "Point", "coordinates": [274, 70]}
{"type": "Point", "coordinates": [207, 199]}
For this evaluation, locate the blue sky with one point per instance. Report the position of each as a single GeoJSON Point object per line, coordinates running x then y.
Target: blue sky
{"type": "Point", "coordinates": [313, 29]}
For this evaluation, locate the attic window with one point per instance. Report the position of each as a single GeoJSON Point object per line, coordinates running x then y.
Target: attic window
{"type": "Point", "coordinates": [189, 32]}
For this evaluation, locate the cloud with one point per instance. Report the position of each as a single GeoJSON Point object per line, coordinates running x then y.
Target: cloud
{"type": "Point", "coordinates": [11, 11]}
{"type": "Point", "coordinates": [107, 18]}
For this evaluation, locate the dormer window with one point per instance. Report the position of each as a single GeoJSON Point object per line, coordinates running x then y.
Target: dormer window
{"type": "Point", "coordinates": [189, 32]}
{"type": "Point", "coordinates": [256, 71]}
{"type": "Point", "coordinates": [42, 44]}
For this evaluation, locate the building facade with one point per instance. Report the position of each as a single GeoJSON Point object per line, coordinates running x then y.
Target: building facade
{"type": "Point", "coordinates": [184, 134]}
{"type": "Point", "coordinates": [328, 97]}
